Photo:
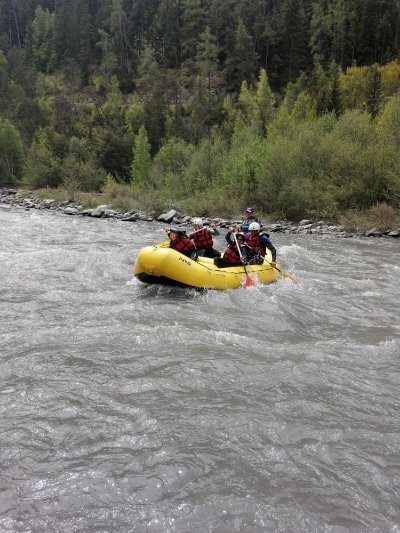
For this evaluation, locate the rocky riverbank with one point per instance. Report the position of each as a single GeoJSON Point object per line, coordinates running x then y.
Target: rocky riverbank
{"type": "Point", "coordinates": [17, 198]}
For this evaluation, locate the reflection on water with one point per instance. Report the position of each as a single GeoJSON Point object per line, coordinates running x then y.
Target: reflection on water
{"type": "Point", "coordinates": [128, 407]}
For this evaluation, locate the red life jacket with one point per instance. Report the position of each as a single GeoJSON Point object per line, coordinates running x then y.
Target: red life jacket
{"type": "Point", "coordinates": [232, 255]}
{"type": "Point", "coordinates": [183, 245]}
{"type": "Point", "coordinates": [253, 240]}
{"type": "Point", "coordinates": [202, 239]}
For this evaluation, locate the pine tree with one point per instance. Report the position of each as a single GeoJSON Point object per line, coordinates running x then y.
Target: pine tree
{"type": "Point", "coordinates": [293, 90]}
{"type": "Point", "coordinates": [108, 60]}
{"type": "Point", "coordinates": [207, 56]}
{"type": "Point", "coordinates": [320, 34]}
{"type": "Point", "coordinates": [141, 164]}
{"type": "Point", "coordinates": [322, 88]}
{"type": "Point", "coordinates": [134, 115]}
{"type": "Point", "coordinates": [113, 106]}
{"type": "Point", "coordinates": [200, 113]}
{"type": "Point", "coordinates": [155, 116]}
{"type": "Point", "coordinates": [11, 152]}
{"type": "Point", "coordinates": [265, 101]}
{"type": "Point", "coordinates": [86, 32]}
{"type": "Point", "coordinates": [42, 30]}
{"type": "Point", "coordinates": [4, 83]}
{"type": "Point", "coordinates": [241, 63]}
{"type": "Point", "coordinates": [193, 24]}
{"type": "Point", "coordinates": [150, 77]}
{"type": "Point", "coordinates": [118, 30]}
{"type": "Point", "coordinates": [166, 29]}
{"type": "Point", "coordinates": [223, 23]}
{"type": "Point", "coordinates": [229, 116]}
{"type": "Point", "coordinates": [374, 91]}
{"type": "Point", "coordinates": [294, 44]}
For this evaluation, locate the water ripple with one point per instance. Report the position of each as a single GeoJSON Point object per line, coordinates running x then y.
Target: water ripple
{"type": "Point", "coordinates": [133, 408]}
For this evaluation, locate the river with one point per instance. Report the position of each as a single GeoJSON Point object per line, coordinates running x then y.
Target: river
{"type": "Point", "coordinates": [126, 407]}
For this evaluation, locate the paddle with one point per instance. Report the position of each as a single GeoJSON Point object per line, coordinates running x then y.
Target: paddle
{"type": "Point", "coordinates": [249, 281]}
{"type": "Point", "coordinates": [283, 274]}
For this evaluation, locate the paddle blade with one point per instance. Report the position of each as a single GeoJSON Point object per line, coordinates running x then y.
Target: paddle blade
{"type": "Point", "coordinates": [249, 281]}
{"type": "Point", "coordinates": [288, 276]}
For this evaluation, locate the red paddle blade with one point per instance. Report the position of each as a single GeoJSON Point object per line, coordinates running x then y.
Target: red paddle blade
{"type": "Point", "coordinates": [249, 282]}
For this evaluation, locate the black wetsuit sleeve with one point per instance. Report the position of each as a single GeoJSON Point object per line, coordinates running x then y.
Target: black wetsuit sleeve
{"type": "Point", "coordinates": [268, 244]}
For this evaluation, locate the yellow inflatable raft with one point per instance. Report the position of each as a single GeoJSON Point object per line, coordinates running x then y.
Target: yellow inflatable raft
{"type": "Point", "coordinates": [160, 264]}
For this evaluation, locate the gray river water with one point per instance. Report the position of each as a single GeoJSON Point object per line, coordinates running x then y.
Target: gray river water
{"type": "Point", "coordinates": [125, 407]}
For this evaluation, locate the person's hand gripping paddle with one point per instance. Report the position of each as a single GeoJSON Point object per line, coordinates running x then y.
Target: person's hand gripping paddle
{"type": "Point", "coordinates": [249, 281]}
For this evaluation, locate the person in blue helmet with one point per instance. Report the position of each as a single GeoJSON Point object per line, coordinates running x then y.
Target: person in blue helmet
{"type": "Point", "coordinates": [249, 218]}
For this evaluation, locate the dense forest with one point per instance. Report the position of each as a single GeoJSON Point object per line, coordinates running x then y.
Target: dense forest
{"type": "Point", "coordinates": [290, 105]}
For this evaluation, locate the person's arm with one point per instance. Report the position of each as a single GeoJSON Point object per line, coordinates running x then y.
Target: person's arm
{"type": "Point", "coordinates": [228, 236]}
{"type": "Point", "coordinates": [264, 241]}
{"type": "Point", "coordinates": [212, 230]}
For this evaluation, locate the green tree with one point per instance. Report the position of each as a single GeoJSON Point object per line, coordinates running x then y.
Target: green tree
{"type": "Point", "coordinates": [207, 56]}
{"type": "Point", "coordinates": [322, 88]}
{"type": "Point", "coordinates": [200, 111]}
{"type": "Point", "coordinates": [141, 164]}
{"type": "Point", "coordinates": [42, 167]}
{"type": "Point", "coordinates": [193, 24]}
{"type": "Point", "coordinates": [265, 101]}
{"type": "Point", "coordinates": [229, 117]}
{"type": "Point", "coordinates": [240, 64]}
{"type": "Point", "coordinates": [11, 152]}
{"type": "Point", "coordinates": [320, 33]}
{"type": "Point", "coordinates": [374, 91]}
{"type": "Point", "coordinates": [294, 46]}
{"type": "Point", "coordinates": [166, 30]}
{"type": "Point", "coordinates": [223, 23]}
{"type": "Point", "coordinates": [42, 35]}
{"type": "Point", "coordinates": [293, 90]}
{"type": "Point", "coordinates": [150, 76]}
{"type": "Point", "coordinates": [155, 118]}
{"type": "Point", "coordinates": [108, 59]}
{"type": "Point", "coordinates": [389, 122]}
{"type": "Point", "coordinates": [4, 83]}
{"type": "Point", "coordinates": [134, 114]}
{"type": "Point", "coordinates": [113, 107]}
{"type": "Point", "coordinates": [304, 108]}
{"type": "Point", "coordinates": [118, 29]}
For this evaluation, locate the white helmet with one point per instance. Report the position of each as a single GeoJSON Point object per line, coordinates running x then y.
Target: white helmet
{"type": "Point", "coordinates": [197, 222]}
{"type": "Point", "coordinates": [254, 226]}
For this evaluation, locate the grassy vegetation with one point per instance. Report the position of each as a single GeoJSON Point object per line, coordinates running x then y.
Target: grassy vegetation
{"type": "Point", "coordinates": [123, 198]}
{"type": "Point", "coordinates": [382, 216]}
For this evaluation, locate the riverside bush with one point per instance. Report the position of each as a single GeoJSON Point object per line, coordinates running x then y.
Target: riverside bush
{"type": "Point", "coordinates": [383, 216]}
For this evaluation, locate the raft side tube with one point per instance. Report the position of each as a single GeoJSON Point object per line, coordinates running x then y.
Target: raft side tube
{"type": "Point", "coordinates": [156, 264]}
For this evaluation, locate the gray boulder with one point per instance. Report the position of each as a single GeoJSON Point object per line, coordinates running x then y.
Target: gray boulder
{"type": "Point", "coordinates": [48, 202]}
{"type": "Point", "coordinates": [305, 222]}
{"type": "Point", "coordinates": [99, 211]}
{"type": "Point", "coordinates": [168, 217]}
{"type": "Point", "coordinates": [129, 217]}
{"type": "Point", "coordinates": [395, 233]}
{"type": "Point", "coordinates": [275, 227]}
{"type": "Point", "coordinates": [71, 211]}
{"type": "Point", "coordinates": [374, 232]}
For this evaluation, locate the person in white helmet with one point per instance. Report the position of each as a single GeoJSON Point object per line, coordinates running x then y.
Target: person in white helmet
{"type": "Point", "coordinates": [259, 242]}
{"type": "Point", "coordinates": [203, 238]}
